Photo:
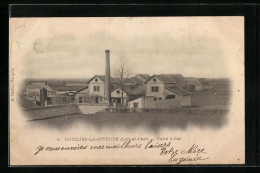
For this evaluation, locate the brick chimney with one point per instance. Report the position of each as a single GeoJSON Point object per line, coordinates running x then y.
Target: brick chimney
{"type": "Point", "coordinates": [107, 79]}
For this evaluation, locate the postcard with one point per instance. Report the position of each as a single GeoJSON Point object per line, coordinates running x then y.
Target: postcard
{"type": "Point", "coordinates": [126, 91]}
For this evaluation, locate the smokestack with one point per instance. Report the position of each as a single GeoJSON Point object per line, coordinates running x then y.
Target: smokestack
{"type": "Point", "coordinates": [107, 79]}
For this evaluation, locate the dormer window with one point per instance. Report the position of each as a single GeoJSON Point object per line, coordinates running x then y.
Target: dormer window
{"type": "Point", "coordinates": [96, 80]}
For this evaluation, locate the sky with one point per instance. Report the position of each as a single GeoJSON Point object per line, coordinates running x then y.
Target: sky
{"type": "Point", "coordinates": [75, 47]}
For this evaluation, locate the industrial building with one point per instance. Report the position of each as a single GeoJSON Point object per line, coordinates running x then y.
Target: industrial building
{"type": "Point", "coordinates": [140, 91]}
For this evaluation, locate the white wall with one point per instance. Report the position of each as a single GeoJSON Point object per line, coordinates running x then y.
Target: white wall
{"type": "Point", "coordinates": [139, 101]}
{"type": "Point", "coordinates": [101, 88]}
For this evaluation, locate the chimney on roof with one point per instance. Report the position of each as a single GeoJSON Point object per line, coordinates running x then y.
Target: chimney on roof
{"type": "Point", "coordinates": [107, 79]}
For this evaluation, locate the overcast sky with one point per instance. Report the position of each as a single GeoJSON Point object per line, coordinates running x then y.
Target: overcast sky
{"type": "Point", "coordinates": [75, 47]}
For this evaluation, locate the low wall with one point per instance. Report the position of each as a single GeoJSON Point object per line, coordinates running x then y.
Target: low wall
{"type": "Point", "coordinates": [91, 109]}
{"type": "Point", "coordinates": [50, 111]}
{"type": "Point", "coordinates": [166, 104]}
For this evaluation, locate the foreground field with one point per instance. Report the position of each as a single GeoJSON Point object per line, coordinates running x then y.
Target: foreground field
{"type": "Point", "coordinates": [133, 120]}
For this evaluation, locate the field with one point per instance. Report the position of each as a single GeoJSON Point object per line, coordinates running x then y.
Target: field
{"type": "Point", "coordinates": [216, 96]}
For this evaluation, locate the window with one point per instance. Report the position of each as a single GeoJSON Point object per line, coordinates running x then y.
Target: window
{"type": "Point", "coordinates": [96, 80]}
{"type": "Point", "coordinates": [170, 97]}
{"type": "Point", "coordinates": [155, 99]}
{"type": "Point", "coordinates": [154, 79]}
{"type": "Point", "coordinates": [118, 91]}
{"type": "Point", "coordinates": [160, 98]}
{"type": "Point", "coordinates": [80, 99]}
{"type": "Point", "coordinates": [96, 88]}
{"type": "Point", "coordinates": [135, 105]}
{"type": "Point", "coordinates": [155, 89]}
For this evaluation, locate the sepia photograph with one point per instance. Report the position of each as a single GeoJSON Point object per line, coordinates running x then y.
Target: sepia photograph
{"type": "Point", "coordinates": [126, 90]}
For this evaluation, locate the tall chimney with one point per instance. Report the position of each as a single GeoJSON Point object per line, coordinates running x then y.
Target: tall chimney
{"type": "Point", "coordinates": [107, 79]}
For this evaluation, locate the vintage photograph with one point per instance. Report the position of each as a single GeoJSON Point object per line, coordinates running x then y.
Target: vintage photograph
{"type": "Point", "coordinates": [126, 84]}
{"type": "Point", "coordinates": [127, 98]}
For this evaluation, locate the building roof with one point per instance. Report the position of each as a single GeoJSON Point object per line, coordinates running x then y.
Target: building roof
{"type": "Point", "coordinates": [77, 82]}
{"type": "Point", "coordinates": [178, 91]}
{"type": "Point", "coordinates": [203, 81]}
{"type": "Point", "coordinates": [168, 78]}
{"type": "Point", "coordinates": [192, 81]}
{"type": "Point", "coordinates": [56, 82]}
{"type": "Point", "coordinates": [66, 88]}
{"type": "Point", "coordinates": [86, 87]}
{"type": "Point", "coordinates": [135, 80]}
{"type": "Point", "coordinates": [143, 76]}
{"type": "Point", "coordinates": [102, 78]}
{"type": "Point", "coordinates": [137, 90]}
{"type": "Point", "coordinates": [36, 85]}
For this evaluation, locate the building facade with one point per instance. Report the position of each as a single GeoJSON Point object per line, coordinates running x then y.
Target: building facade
{"type": "Point", "coordinates": [119, 97]}
{"type": "Point", "coordinates": [168, 87]}
{"type": "Point", "coordinates": [94, 92]}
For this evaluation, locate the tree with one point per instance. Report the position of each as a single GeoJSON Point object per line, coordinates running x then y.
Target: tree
{"type": "Point", "coordinates": [122, 74]}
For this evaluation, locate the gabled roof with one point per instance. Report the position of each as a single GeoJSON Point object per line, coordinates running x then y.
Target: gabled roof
{"type": "Point", "coordinates": [178, 91]}
{"type": "Point", "coordinates": [168, 78]}
{"type": "Point", "coordinates": [192, 81]}
{"type": "Point", "coordinates": [102, 78]}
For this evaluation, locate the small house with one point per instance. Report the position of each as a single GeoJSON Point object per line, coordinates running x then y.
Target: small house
{"type": "Point", "coordinates": [193, 84]}
{"type": "Point", "coordinates": [95, 91]}
{"type": "Point", "coordinates": [129, 93]}
{"type": "Point", "coordinates": [157, 84]}
{"type": "Point", "coordinates": [168, 87]}
{"type": "Point", "coordinates": [142, 102]}
{"type": "Point", "coordinates": [32, 89]}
